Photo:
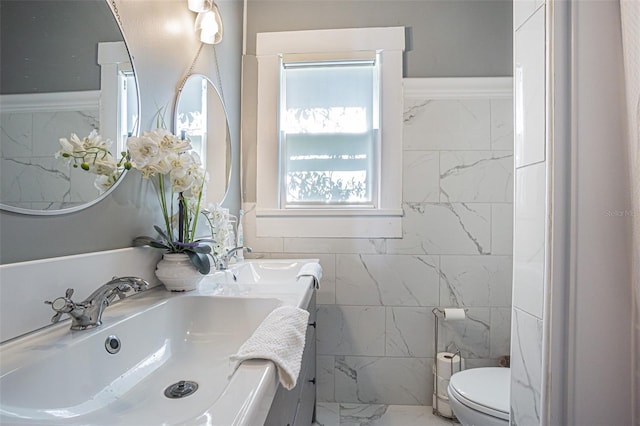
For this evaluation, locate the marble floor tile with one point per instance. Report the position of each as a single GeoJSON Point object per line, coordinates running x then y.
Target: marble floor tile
{"type": "Point", "coordinates": [327, 414]}
{"type": "Point", "coordinates": [337, 414]}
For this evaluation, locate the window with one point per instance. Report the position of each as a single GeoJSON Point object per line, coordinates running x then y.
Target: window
{"type": "Point", "coordinates": [330, 133]}
{"type": "Point", "coordinates": [329, 130]}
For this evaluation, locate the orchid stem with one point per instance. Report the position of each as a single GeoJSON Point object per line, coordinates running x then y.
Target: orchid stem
{"type": "Point", "coordinates": [163, 205]}
{"type": "Point", "coordinates": [181, 218]}
{"type": "Point", "coordinates": [197, 212]}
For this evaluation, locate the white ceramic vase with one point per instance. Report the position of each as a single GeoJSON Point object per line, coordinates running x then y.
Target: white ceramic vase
{"type": "Point", "coordinates": [177, 273]}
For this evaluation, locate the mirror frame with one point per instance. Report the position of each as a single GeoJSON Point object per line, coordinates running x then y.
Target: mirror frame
{"type": "Point", "coordinates": [226, 119]}
{"type": "Point", "coordinates": [100, 197]}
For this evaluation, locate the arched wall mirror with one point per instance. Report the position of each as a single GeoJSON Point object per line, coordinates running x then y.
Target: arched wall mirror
{"type": "Point", "coordinates": [201, 116]}
{"type": "Point", "coordinates": [64, 68]}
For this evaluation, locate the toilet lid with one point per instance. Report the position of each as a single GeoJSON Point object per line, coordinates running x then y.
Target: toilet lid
{"type": "Point", "coordinates": [483, 389]}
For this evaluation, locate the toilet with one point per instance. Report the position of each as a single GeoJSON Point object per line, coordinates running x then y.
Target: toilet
{"type": "Point", "coordinates": [480, 396]}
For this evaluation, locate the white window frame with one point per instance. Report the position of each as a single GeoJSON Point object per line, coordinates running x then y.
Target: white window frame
{"type": "Point", "coordinates": [384, 221]}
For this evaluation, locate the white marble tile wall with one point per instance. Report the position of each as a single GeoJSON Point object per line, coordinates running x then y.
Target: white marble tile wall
{"type": "Point", "coordinates": [375, 339]}
{"type": "Point", "coordinates": [29, 174]}
{"type": "Point", "coordinates": [530, 89]}
{"type": "Point", "coordinates": [530, 212]}
{"type": "Point", "coordinates": [526, 368]}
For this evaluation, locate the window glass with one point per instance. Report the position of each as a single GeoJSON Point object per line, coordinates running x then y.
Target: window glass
{"type": "Point", "coordinates": [329, 133]}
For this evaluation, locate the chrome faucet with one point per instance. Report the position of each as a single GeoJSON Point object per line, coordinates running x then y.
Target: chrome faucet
{"type": "Point", "coordinates": [222, 261]}
{"type": "Point", "coordinates": [88, 313]}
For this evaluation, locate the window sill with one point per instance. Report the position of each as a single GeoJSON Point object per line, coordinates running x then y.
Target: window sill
{"type": "Point", "coordinates": [329, 223]}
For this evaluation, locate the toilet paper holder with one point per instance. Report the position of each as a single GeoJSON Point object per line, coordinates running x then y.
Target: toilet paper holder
{"type": "Point", "coordinates": [437, 313]}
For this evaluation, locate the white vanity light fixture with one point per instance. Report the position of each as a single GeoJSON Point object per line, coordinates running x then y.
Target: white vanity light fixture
{"type": "Point", "coordinates": [208, 21]}
{"type": "Point", "coordinates": [199, 5]}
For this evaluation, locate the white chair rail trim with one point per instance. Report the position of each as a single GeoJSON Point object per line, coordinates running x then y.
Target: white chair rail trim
{"type": "Point", "coordinates": [458, 88]}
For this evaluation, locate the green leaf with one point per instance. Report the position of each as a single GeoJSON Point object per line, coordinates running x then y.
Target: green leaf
{"type": "Point", "coordinates": [142, 241]}
{"type": "Point", "coordinates": [148, 241]}
{"type": "Point", "coordinates": [160, 245]}
{"type": "Point", "coordinates": [202, 249]}
{"type": "Point", "coordinates": [205, 240]}
{"type": "Point", "coordinates": [161, 232]}
{"type": "Point", "coordinates": [200, 261]}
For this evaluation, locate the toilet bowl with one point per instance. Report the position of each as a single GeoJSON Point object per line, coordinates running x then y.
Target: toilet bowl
{"type": "Point", "coordinates": [480, 396]}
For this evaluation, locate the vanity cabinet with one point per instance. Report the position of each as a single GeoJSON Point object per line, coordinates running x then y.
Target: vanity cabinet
{"type": "Point", "coordinates": [296, 407]}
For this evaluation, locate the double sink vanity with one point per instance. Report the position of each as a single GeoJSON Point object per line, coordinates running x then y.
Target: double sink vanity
{"type": "Point", "coordinates": [163, 358]}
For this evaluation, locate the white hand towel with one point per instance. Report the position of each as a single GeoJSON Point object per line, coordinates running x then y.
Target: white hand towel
{"type": "Point", "coordinates": [311, 269]}
{"type": "Point", "coordinates": [279, 338]}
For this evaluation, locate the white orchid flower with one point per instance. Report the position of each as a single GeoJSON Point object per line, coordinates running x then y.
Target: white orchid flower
{"type": "Point", "coordinates": [170, 142]}
{"type": "Point", "coordinates": [75, 141]}
{"type": "Point", "coordinates": [66, 147]}
{"type": "Point", "coordinates": [94, 140]}
{"type": "Point", "coordinates": [181, 183]}
{"type": "Point", "coordinates": [162, 166]}
{"type": "Point", "coordinates": [143, 150]}
{"type": "Point", "coordinates": [180, 164]}
{"type": "Point", "coordinates": [146, 171]}
{"type": "Point", "coordinates": [104, 182]}
{"type": "Point", "coordinates": [106, 165]}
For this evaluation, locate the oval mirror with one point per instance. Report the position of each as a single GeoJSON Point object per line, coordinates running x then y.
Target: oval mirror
{"type": "Point", "coordinates": [201, 117]}
{"type": "Point", "coordinates": [64, 68]}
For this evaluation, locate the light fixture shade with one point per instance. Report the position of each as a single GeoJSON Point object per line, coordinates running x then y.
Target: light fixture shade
{"type": "Point", "coordinates": [210, 25]}
{"type": "Point", "coordinates": [199, 5]}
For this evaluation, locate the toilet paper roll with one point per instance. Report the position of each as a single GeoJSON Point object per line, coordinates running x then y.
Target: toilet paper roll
{"type": "Point", "coordinates": [454, 314]}
{"type": "Point", "coordinates": [443, 384]}
{"type": "Point", "coordinates": [442, 406]}
{"type": "Point", "coordinates": [448, 363]}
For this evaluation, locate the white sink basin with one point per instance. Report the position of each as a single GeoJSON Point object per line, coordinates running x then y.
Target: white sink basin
{"type": "Point", "coordinates": [269, 271]}
{"type": "Point", "coordinates": [56, 376]}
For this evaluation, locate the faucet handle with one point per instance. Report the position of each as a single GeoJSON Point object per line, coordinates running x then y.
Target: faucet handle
{"type": "Point", "coordinates": [62, 305]}
{"type": "Point", "coordinates": [56, 317]}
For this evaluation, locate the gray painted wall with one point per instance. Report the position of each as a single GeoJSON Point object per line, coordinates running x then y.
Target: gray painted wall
{"type": "Point", "coordinates": [161, 39]}
{"type": "Point", "coordinates": [445, 38]}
